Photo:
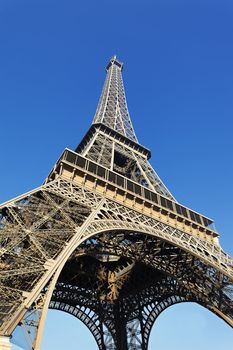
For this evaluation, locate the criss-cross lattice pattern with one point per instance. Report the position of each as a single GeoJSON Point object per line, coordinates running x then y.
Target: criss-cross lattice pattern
{"type": "Point", "coordinates": [104, 240]}
{"type": "Point", "coordinates": [112, 109]}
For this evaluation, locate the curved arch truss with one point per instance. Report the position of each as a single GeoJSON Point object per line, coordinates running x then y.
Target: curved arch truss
{"type": "Point", "coordinates": [141, 311]}
{"type": "Point", "coordinates": [88, 317]}
{"type": "Point", "coordinates": [132, 276]}
{"type": "Point", "coordinates": [105, 240]}
{"type": "Point", "coordinates": [119, 266]}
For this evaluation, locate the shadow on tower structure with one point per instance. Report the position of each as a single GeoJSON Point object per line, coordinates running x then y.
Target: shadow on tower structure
{"type": "Point", "coordinates": [104, 240]}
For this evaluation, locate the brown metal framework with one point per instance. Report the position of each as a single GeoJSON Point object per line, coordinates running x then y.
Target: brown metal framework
{"type": "Point", "coordinates": [104, 240]}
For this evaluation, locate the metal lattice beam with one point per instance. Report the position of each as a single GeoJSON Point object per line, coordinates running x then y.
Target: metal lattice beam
{"type": "Point", "coordinates": [104, 240]}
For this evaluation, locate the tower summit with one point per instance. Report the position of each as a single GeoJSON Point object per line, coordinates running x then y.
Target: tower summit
{"type": "Point", "coordinates": [112, 109]}
{"type": "Point", "coordinates": [104, 240]}
{"type": "Point", "coordinates": [111, 140]}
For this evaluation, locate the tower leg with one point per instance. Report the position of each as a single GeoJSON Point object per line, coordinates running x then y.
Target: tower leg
{"type": "Point", "coordinates": [120, 329]}
{"type": "Point", "coordinates": [129, 334]}
{"type": "Point", "coordinates": [5, 343]}
{"type": "Point", "coordinates": [121, 336]}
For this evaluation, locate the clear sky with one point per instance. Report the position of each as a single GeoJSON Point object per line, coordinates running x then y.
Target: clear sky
{"type": "Point", "coordinates": [178, 76]}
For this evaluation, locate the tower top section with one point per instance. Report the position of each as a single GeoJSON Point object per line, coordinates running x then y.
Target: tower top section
{"type": "Point", "coordinates": [112, 109]}
{"type": "Point", "coordinates": [115, 61]}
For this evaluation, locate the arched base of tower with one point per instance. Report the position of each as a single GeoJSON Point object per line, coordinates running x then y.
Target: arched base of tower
{"type": "Point", "coordinates": [118, 320]}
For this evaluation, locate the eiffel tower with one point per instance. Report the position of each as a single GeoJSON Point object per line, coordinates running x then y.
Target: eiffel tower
{"type": "Point", "coordinates": [104, 240]}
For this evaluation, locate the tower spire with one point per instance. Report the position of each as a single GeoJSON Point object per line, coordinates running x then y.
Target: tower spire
{"type": "Point", "coordinates": [112, 108]}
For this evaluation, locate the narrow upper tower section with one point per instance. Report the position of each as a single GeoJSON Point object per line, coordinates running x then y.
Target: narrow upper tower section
{"type": "Point", "coordinates": [111, 142]}
{"type": "Point", "coordinates": [112, 109]}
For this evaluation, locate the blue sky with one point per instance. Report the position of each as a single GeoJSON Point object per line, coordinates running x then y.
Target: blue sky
{"type": "Point", "coordinates": [178, 74]}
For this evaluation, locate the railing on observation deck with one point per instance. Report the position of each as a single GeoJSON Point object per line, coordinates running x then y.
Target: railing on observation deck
{"type": "Point", "coordinates": [135, 188]}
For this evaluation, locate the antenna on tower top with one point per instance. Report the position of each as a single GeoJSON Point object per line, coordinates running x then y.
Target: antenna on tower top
{"type": "Point", "coordinates": [114, 61]}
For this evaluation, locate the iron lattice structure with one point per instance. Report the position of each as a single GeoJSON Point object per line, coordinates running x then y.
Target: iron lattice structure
{"type": "Point", "coordinates": [104, 240]}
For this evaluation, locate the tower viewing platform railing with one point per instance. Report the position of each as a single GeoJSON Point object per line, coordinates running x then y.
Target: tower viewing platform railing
{"type": "Point", "coordinates": [121, 182]}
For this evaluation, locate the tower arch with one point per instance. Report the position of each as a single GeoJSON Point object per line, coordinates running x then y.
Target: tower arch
{"type": "Point", "coordinates": [105, 235]}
